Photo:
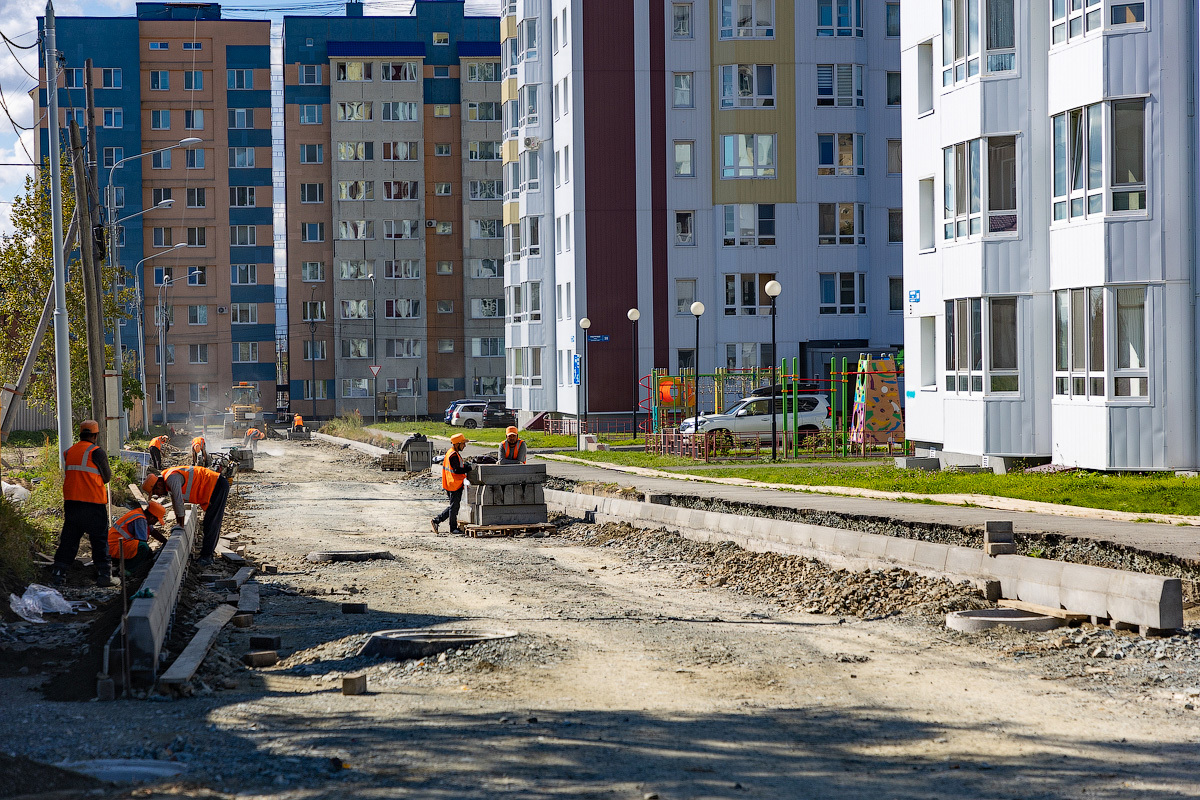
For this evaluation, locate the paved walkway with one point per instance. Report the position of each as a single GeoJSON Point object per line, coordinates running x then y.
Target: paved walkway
{"type": "Point", "coordinates": [1173, 540]}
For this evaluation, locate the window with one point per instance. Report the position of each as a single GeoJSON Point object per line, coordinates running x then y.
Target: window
{"type": "Point", "coordinates": [312, 232]}
{"type": "Point", "coordinates": [193, 45]}
{"type": "Point", "coordinates": [111, 155]}
{"type": "Point", "coordinates": [355, 269]}
{"type": "Point", "coordinates": [159, 195]}
{"type": "Point", "coordinates": [197, 354]}
{"type": "Point", "coordinates": [239, 78]}
{"type": "Point", "coordinates": [895, 294]}
{"type": "Point", "coordinates": [402, 309]}
{"type": "Point", "coordinates": [895, 226]}
{"type": "Point", "coordinates": [399, 229]}
{"type": "Point", "coordinates": [441, 149]}
{"type": "Point", "coordinates": [684, 164]}
{"type": "Point", "coordinates": [893, 88]}
{"type": "Point", "coordinates": [484, 71]}
{"type": "Point", "coordinates": [356, 388]}
{"type": "Point", "coordinates": [748, 86]}
{"type": "Point", "coordinates": [682, 97]}
{"type": "Point", "coordinates": [403, 190]}
{"type": "Point", "coordinates": [512, 242]}
{"type": "Point", "coordinates": [1071, 23]}
{"type": "Point", "coordinates": [487, 307]}
{"type": "Point", "coordinates": [964, 345]}
{"type": "Point", "coordinates": [895, 153]}
{"type": "Point", "coordinates": [195, 237]}
{"type": "Point", "coordinates": [74, 77]}
{"type": "Point", "coordinates": [160, 80]}
{"type": "Point", "coordinates": [1128, 160]}
{"type": "Point", "coordinates": [243, 235]}
{"type": "Point", "coordinates": [745, 19]}
{"type": "Point", "coordinates": [77, 114]}
{"type": "Point", "coordinates": [444, 228]}
{"type": "Point", "coordinates": [746, 294]}
{"type": "Point", "coordinates": [160, 120]}
{"type": "Point", "coordinates": [309, 73]}
{"type": "Point", "coordinates": [841, 223]}
{"type": "Point", "coordinates": [892, 11]}
{"type": "Point", "coordinates": [241, 196]}
{"type": "Point", "coordinates": [1130, 369]}
{"type": "Point", "coordinates": [840, 154]}
{"type": "Point", "coordinates": [197, 315]}
{"type": "Point", "coordinates": [241, 157]}
{"type": "Point", "coordinates": [356, 348]}
{"type": "Point", "coordinates": [407, 71]}
{"type": "Point", "coordinates": [118, 195]}
{"type": "Point", "coordinates": [321, 387]}
{"type": "Point", "coordinates": [196, 198]}
{"type": "Point", "coordinates": [400, 151]}
{"type": "Point", "coordinates": [527, 34]}
{"type": "Point", "coordinates": [356, 309]}
{"type": "Point", "coordinates": [486, 268]}
{"type": "Point", "coordinates": [402, 269]}
{"type": "Point", "coordinates": [1128, 13]}
{"type": "Point", "coordinates": [193, 120]}
{"type": "Point", "coordinates": [195, 159]}
{"type": "Point", "coordinates": [685, 228]}
{"type": "Point", "coordinates": [484, 112]}
{"type": "Point", "coordinates": [681, 16]}
{"type": "Point", "coordinates": [193, 80]}
{"type": "Point", "coordinates": [310, 115]}
{"type": "Point", "coordinates": [162, 237]}
{"type": "Point", "coordinates": [113, 117]}
{"type": "Point", "coordinates": [1002, 345]}
{"type": "Point", "coordinates": [109, 79]}
{"type": "Point", "coordinates": [839, 18]}
{"type": "Point", "coordinates": [243, 313]}
{"type": "Point", "coordinates": [527, 105]}
{"type": "Point", "coordinates": [162, 275]}
{"type": "Point", "coordinates": [170, 355]}
{"type": "Point", "coordinates": [312, 193]}
{"type": "Point", "coordinates": [445, 345]}
{"type": "Point", "coordinates": [356, 151]}
{"type": "Point", "coordinates": [840, 85]}
{"type": "Point", "coordinates": [843, 293]}
{"type": "Point", "coordinates": [961, 36]}
{"type": "Point", "coordinates": [486, 228]}
{"type": "Point", "coordinates": [245, 352]}
{"type": "Point", "coordinates": [159, 46]}
{"type": "Point", "coordinates": [243, 274]}
{"type": "Point", "coordinates": [360, 229]}
{"type": "Point", "coordinates": [686, 360]}
{"type": "Point", "coordinates": [352, 70]}
{"type": "Point", "coordinates": [532, 236]}
{"type": "Point", "coordinates": [484, 151]}
{"type": "Point", "coordinates": [748, 155]}
{"type": "Point", "coordinates": [441, 39]}
{"type": "Point", "coordinates": [402, 112]}
{"type": "Point", "coordinates": [313, 311]}
{"type": "Point", "coordinates": [312, 153]}
{"type": "Point", "coordinates": [357, 111]}
{"type": "Point", "coordinates": [441, 109]}
{"type": "Point", "coordinates": [314, 350]}
{"type": "Point", "coordinates": [487, 347]}
{"type": "Point", "coordinates": [1078, 152]}
{"type": "Point", "coordinates": [1000, 38]}
{"type": "Point", "coordinates": [966, 173]}
{"type": "Point", "coordinates": [531, 170]}
{"type": "Point", "coordinates": [749, 225]}
{"type": "Point", "coordinates": [403, 348]}
{"type": "Point", "coordinates": [486, 190]}
{"type": "Point", "coordinates": [925, 79]}
{"type": "Point", "coordinates": [685, 295]}
{"type": "Point", "coordinates": [312, 271]}
{"type": "Point", "coordinates": [354, 190]}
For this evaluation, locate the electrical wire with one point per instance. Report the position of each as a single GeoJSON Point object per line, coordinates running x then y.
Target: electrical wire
{"type": "Point", "coordinates": [11, 44]}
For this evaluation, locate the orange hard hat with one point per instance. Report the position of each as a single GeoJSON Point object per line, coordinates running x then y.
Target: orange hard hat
{"type": "Point", "coordinates": [157, 511]}
{"type": "Point", "coordinates": [511, 430]}
{"type": "Point", "coordinates": [149, 484]}
{"type": "Point", "coordinates": [458, 438]}
{"type": "Point", "coordinates": [89, 426]}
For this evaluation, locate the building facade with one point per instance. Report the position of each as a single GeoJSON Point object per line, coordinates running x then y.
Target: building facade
{"type": "Point", "coordinates": [1049, 306]}
{"type": "Point", "coordinates": [172, 72]}
{"type": "Point", "coordinates": [394, 189]}
{"type": "Point", "coordinates": [661, 153]}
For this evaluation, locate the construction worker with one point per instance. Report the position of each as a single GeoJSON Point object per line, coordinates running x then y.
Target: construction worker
{"type": "Point", "coordinates": [253, 437]}
{"type": "Point", "coordinates": [512, 449]}
{"type": "Point", "coordinates": [156, 451]}
{"type": "Point", "coordinates": [297, 422]}
{"type": "Point", "coordinates": [131, 533]}
{"type": "Point", "coordinates": [85, 506]}
{"type": "Point", "coordinates": [199, 452]}
{"type": "Point", "coordinates": [454, 470]}
{"type": "Point", "coordinates": [200, 485]}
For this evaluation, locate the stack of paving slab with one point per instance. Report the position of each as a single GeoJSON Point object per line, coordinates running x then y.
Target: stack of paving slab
{"type": "Point", "coordinates": [505, 494]}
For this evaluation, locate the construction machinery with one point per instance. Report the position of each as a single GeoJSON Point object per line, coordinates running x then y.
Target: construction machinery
{"type": "Point", "coordinates": [245, 410]}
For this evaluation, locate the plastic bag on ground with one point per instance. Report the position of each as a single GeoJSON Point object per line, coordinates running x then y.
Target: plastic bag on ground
{"type": "Point", "coordinates": [39, 600]}
{"type": "Point", "coordinates": [14, 492]}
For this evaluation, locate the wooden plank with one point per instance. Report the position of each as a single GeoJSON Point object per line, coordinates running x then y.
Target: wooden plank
{"type": "Point", "coordinates": [243, 575]}
{"type": "Point", "coordinates": [248, 602]}
{"type": "Point", "coordinates": [193, 655]}
{"type": "Point", "coordinates": [481, 531]}
{"type": "Point", "coordinates": [1047, 611]}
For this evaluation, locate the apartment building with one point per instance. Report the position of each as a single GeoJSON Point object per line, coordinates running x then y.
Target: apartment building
{"type": "Point", "coordinates": [174, 72]}
{"type": "Point", "coordinates": [661, 153]}
{"type": "Point", "coordinates": [1050, 303]}
{"type": "Point", "coordinates": [394, 187]}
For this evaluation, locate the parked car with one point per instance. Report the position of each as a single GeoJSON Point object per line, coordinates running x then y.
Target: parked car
{"type": "Point", "coordinates": [752, 415]}
{"type": "Point", "coordinates": [468, 415]}
{"type": "Point", "coordinates": [497, 416]}
{"type": "Point", "coordinates": [450, 409]}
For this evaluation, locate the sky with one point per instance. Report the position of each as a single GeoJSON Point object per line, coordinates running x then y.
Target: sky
{"type": "Point", "coordinates": [18, 21]}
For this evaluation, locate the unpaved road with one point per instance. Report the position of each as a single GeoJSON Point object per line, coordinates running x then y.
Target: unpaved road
{"type": "Point", "coordinates": [622, 683]}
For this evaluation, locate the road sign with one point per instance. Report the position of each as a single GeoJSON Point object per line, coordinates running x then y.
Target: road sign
{"type": "Point", "coordinates": [914, 295]}
{"type": "Point", "coordinates": [576, 360]}
{"type": "Point", "coordinates": [375, 370]}
{"type": "Point", "coordinates": [597, 337]}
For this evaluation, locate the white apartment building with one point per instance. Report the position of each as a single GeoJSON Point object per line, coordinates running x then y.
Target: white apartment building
{"type": "Point", "coordinates": [666, 152]}
{"type": "Point", "coordinates": [1050, 302]}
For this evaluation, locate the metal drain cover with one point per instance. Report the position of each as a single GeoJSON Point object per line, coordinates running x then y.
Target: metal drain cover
{"type": "Point", "coordinates": [419, 642]}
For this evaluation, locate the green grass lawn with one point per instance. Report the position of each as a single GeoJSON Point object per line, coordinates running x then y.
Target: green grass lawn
{"type": "Point", "coordinates": [479, 435]}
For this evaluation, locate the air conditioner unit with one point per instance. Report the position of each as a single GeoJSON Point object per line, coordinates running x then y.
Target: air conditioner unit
{"type": "Point", "coordinates": [431, 223]}
{"type": "Point", "coordinates": [222, 309]}
{"type": "Point", "coordinates": [532, 142]}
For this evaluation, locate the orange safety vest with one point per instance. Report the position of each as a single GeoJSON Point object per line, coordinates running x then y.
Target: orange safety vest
{"type": "Point", "coordinates": [198, 444]}
{"type": "Point", "coordinates": [255, 433]}
{"type": "Point", "coordinates": [82, 482]}
{"type": "Point", "coordinates": [159, 441]}
{"type": "Point", "coordinates": [510, 451]}
{"type": "Point", "coordinates": [451, 481]}
{"type": "Point", "coordinates": [120, 536]}
{"type": "Point", "coordinates": [198, 484]}
{"type": "Point", "coordinates": [298, 421]}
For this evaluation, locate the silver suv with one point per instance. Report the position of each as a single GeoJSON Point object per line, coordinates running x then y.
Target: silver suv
{"type": "Point", "coordinates": [753, 415]}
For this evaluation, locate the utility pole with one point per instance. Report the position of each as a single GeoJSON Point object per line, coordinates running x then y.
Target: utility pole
{"type": "Point", "coordinates": [141, 308]}
{"type": "Point", "coordinates": [90, 121]}
{"type": "Point", "coordinates": [62, 346]}
{"type": "Point", "coordinates": [93, 311]}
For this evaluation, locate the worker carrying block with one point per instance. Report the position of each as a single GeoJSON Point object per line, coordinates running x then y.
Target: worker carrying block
{"type": "Point", "coordinates": [129, 537]}
{"type": "Point", "coordinates": [202, 486]}
{"type": "Point", "coordinates": [454, 478]}
{"type": "Point", "coordinates": [512, 449]}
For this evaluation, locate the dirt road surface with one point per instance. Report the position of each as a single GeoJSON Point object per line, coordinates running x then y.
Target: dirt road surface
{"type": "Point", "coordinates": [623, 682]}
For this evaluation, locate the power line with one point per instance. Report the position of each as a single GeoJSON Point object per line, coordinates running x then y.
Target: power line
{"type": "Point", "coordinates": [11, 44]}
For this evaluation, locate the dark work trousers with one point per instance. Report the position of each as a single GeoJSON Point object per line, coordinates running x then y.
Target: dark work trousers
{"type": "Point", "coordinates": [79, 519]}
{"type": "Point", "coordinates": [213, 516]}
{"type": "Point", "coordinates": [451, 513]}
{"type": "Point", "coordinates": [155, 459]}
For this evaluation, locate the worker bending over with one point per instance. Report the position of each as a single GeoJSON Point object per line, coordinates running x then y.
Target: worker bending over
{"type": "Point", "coordinates": [297, 422]}
{"type": "Point", "coordinates": [454, 471]}
{"type": "Point", "coordinates": [199, 452]}
{"type": "Point", "coordinates": [85, 506]}
{"type": "Point", "coordinates": [131, 534]}
{"type": "Point", "coordinates": [204, 487]}
{"type": "Point", "coordinates": [156, 451]}
{"type": "Point", "coordinates": [512, 449]}
{"type": "Point", "coordinates": [253, 437]}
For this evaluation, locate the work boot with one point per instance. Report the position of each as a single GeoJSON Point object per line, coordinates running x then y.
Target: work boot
{"type": "Point", "coordinates": [204, 561]}
{"type": "Point", "coordinates": [433, 522]}
{"type": "Point", "coordinates": [104, 581]}
{"type": "Point", "coordinates": [58, 576]}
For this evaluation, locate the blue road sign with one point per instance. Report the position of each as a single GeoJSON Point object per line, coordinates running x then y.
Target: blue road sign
{"type": "Point", "coordinates": [576, 360]}
{"type": "Point", "coordinates": [597, 337]}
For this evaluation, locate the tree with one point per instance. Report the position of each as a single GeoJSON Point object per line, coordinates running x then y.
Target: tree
{"type": "Point", "coordinates": [26, 274]}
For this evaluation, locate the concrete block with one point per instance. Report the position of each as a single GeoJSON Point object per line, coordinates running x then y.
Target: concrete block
{"type": "Point", "coordinates": [149, 617]}
{"type": "Point", "coordinates": [999, 548]}
{"type": "Point", "coordinates": [914, 462]}
{"type": "Point", "coordinates": [225, 583]}
{"type": "Point", "coordinates": [996, 529]}
{"type": "Point", "coordinates": [504, 474]}
{"type": "Point", "coordinates": [106, 688]}
{"type": "Point", "coordinates": [845, 542]}
{"type": "Point", "coordinates": [264, 642]}
{"type": "Point", "coordinates": [354, 608]}
{"type": "Point", "coordinates": [872, 545]}
{"type": "Point", "coordinates": [931, 555]}
{"type": "Point", "coordinates": [991, 591]}
{"type": "Point", "coordinates": [270, 569]}
{"type": "Point", "coordinates": [1085, 589]}
{"type": "Point", "coordinates": [903, 550]}
{"type": "Point", "coordinates": [1040, 581]}
{"type": "Point", "coordinates": [508, 515]}
{"type": "Point", "coordinates": [261, 658]}
{"type": "Point", "coordinates": [242, 620]}
{"type": "Point", "coordinates": [354, 684]}
{"type": "Point", "coordinates": [964, 561]}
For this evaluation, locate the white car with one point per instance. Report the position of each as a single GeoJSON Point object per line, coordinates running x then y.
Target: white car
{"type": "Point", "coordinates": [468, 415]}
{"type": "Point", "coordinates": [753, 415]}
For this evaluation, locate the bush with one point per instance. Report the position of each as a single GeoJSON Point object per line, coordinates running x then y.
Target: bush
{"type": "Point", "coordinates": [19, 540]}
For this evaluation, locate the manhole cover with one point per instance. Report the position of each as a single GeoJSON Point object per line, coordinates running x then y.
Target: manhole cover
{"type": "Point", "coordinates": [125, 770]}
{"type": "Point", "coordinates": [420, 642]}
{"type": "Point", "coordinates": [982, 619]}
{"type": "Point", "coordinates": [348, 555]}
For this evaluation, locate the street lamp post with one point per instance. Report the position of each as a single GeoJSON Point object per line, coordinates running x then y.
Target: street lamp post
{"type": "Point", "coordinates": [697, 309]}
{"type": "Point", "coordinates": [634, 315]}
{"type": "Point", "coordinates": [374, 348]}
{"type": "Point", "coordinates": [581, 396]}
{"type": "Point", "coordinates": [312, 345]}
{"type": "Point", "coordinates": [142, 327]}
{"type": "Point", "coordinates": [162, 347]}
{"type": "Point", "coordinates": [773, 289]}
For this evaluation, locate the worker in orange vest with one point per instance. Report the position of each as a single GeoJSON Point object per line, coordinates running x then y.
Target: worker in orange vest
{"type": "Point", "coordinates": [85, 506]}
{"type": "Point", "coordinates": [156, 451]}
{"type": "Point", "coordinates": [454, 470]}
{"type": "Point", "coordinates": [253, 437]}
{"type": "Point", "coordinates": [200, 485]}
{"type": "Point", "coordinates": [131, 534]}
{"type": "Point", "coordinates": [297, 422]}
{"type": "Point", "coordinates": [512, 449]}
{"type": "Point", "coordinates": [199, 452]}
